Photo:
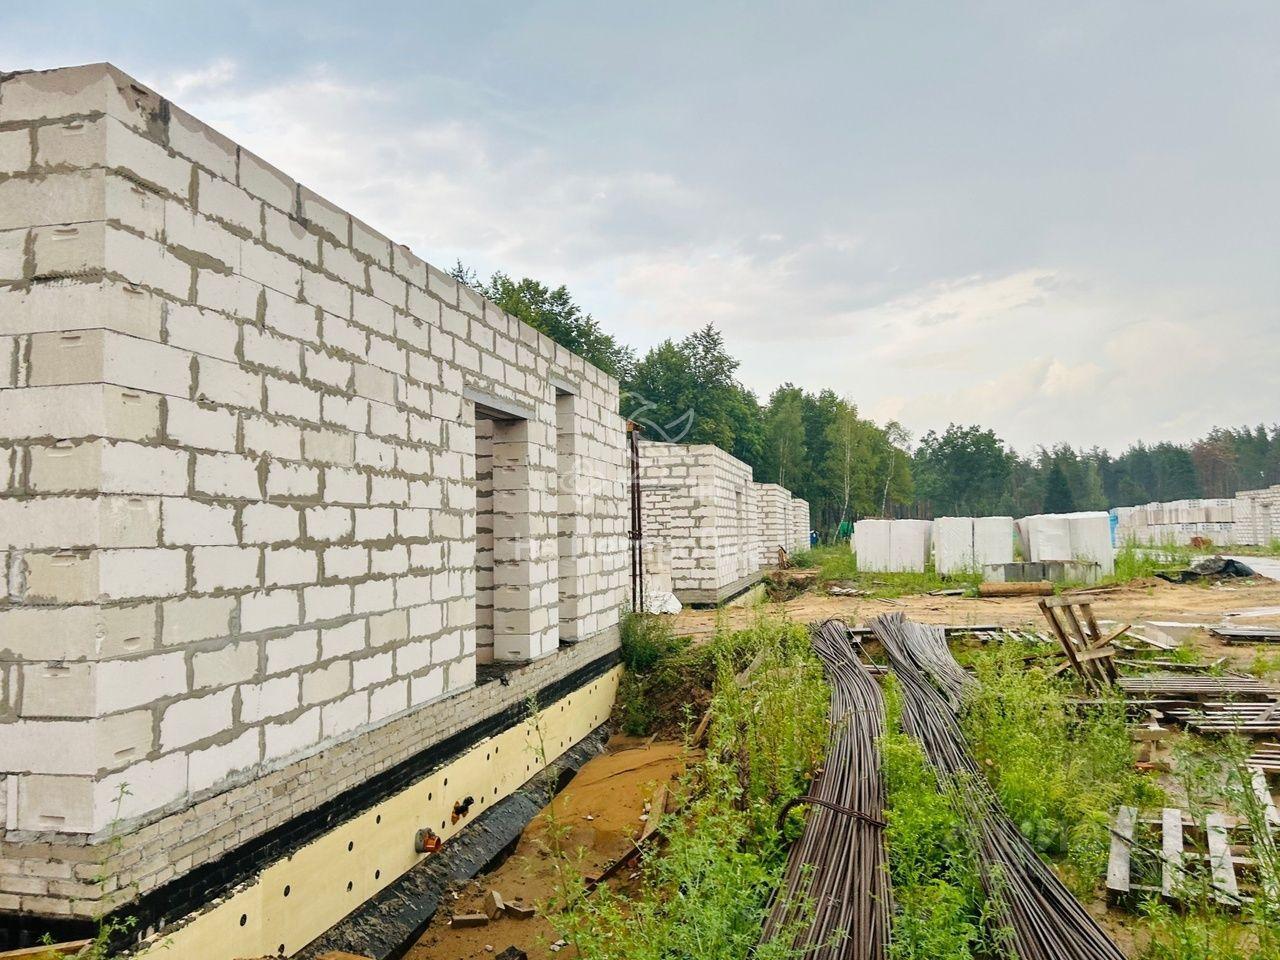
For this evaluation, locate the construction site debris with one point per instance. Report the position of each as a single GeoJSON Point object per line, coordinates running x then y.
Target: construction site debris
{"type": "Point", "coordinates": [1037, 588]}
{"type": "Point", "coordinates": [513, 953]}
{"type": "Point", "coordinates": [1209, 568]}
{"type": "Point", "coordinates": [1045, 922]}
{"type": "Point", "coordinates": [48, 951]}
{"type": "Point", "coordinates": [1246, 634]}
{"type": "Point", "coordinates": [493, 904]}
{"type": "Point", "coordinates": [461, 920]}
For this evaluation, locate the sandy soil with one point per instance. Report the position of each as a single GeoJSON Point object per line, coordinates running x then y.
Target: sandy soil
{"type": "Point", "coordinates": [612, 790]}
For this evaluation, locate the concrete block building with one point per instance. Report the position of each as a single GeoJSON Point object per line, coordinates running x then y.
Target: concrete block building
{"type": "Point", "coordinates": [700, 519]}
{"type": "Point", "coordinates": [777, 521]}
{"type": "Point", "coordinates": [800, 520]}
{"type": "Point", "coordinates": [272, 488]}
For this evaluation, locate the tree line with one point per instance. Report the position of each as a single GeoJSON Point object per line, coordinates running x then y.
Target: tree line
{"type": "Point", "coordinates": [847, 467]}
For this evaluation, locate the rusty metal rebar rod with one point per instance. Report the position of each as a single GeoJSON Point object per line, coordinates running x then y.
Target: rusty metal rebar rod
{"type": "Point", "coordinates": [1038, 917]}
{"type": "Point", "coordinates": [835, 900]}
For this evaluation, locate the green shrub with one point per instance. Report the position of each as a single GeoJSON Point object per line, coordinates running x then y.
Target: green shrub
{"type": "Point", "coordinates": [1060, 773]}
{"type": "Point", "coordinates": [704, 896]}
{"type": "Point", "coordinates": [646, 640]}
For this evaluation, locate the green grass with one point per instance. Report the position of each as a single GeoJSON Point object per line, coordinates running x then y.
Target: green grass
{"type": "Point", "coordinates": [1271, 549]}
{"type": "Point", "coordinates": [1059, 773]}
{"type": "Point", "coordinates": [839, 564]}
{"type": "Point", "coordinates": [936, 889]}
{"type": "Point", "coordinates": [704, 896]}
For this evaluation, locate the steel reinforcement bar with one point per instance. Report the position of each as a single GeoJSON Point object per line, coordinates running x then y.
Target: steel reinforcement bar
{"type": "Point", "coordinates": [835, 900]}
{"type": "Point", "coordinates": [1038, 916]}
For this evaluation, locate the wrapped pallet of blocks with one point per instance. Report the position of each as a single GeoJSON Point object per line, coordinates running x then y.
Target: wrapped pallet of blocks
{"type": "Point", "coordinates": [992, 541]}
{"type": "Point", "coordinates": [909, 543]}
{"type": "Point", "coordinates": [953, 543]}
{"type": "Point", "coordinates": [1091, 539]}
{"type": "Point", "coordinates": [871, 544]}
{"type": "Point", "coordinates": [1045, 536]}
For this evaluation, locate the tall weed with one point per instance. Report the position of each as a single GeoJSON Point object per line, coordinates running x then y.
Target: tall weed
{"type": "Point", "coordinates": [1059, 772]}
{"type": "Point", "coordinates": [705, 894]}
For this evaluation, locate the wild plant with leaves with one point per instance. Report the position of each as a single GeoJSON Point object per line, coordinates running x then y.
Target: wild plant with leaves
{"type": "Point", "coordinates": [705, 894]}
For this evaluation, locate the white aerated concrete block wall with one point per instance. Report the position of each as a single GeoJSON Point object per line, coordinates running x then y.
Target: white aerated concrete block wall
{"type": "Point", "coordinates": [776, 521]}
{"type": "Point", "coordinates": [800, 525]}
{"type": "Point", "coordinates": [1257, 516]}
{"type": "Point", "coordinates": [238, 515]}
{"type": "Point", "coordinates": [702, 503]}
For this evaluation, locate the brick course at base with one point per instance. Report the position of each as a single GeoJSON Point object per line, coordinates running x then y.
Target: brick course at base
{"type": "Point", "coordinates": [238, 492]}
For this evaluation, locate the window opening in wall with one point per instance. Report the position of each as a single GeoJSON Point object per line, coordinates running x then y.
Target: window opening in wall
{"type": "Point", "coordinates": [484, 539]}
{"type": "Point", "coordinates": [567, 519]}
{"type": "Point", "coordinates": [740, 532]}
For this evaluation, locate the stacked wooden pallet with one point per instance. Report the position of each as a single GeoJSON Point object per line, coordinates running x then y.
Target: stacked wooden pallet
{"type": "Point", "coordinates": [1232, 634]}
{"type": "Point", "coordinates": [1188, 853]}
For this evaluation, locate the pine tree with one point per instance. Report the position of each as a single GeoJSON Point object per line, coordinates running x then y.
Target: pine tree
{"type": "Point", "coordinates": [1057, 492]}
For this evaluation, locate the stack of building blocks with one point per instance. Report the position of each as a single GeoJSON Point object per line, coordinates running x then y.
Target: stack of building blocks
{"type": "Point", "coordinates": [892, 546]}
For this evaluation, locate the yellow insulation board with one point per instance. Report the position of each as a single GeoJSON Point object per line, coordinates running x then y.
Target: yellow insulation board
{"type": "Point", "coordinates": [296, 899]}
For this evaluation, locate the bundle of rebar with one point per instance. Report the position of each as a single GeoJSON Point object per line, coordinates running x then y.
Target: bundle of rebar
{"type": "Point", "coordinates": [1038, 917]}
{"type": "Point", "coordinates": [835, 900]}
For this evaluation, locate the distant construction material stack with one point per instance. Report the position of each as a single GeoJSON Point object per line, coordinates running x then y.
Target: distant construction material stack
{"type": "Point", "coordinates": [1180, 522]}
{"type": "Point", "coordinates": [892, 546]}
{"type": "Point", "coordinates": [968, 544]}
{"type": "Point", "coordinates": [1081, 537]}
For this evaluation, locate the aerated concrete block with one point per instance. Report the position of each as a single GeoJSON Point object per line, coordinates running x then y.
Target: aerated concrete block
{"type": "Point", "coordinates": [871, 544]}
{"type": "Point", "coordinates": [1091, 539]}
{"type": "Point", "coordinates": [953, 543]}
{"type": "Point", "coordinates": [909, 543]}
{"type": "Point", "coordinates": [992, 540]}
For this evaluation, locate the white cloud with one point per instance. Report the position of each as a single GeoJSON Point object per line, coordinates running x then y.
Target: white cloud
{"type": "Point", "coordinates": [1041, 352]}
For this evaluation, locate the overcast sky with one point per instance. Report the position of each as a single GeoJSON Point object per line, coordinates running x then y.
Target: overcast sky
{"type": "Point", "coordinates": [1060, 220]}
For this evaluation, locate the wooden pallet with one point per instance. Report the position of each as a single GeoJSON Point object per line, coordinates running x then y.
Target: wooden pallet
{"type": "Point", "coordinates": [1183, 849]}
{"type": "Point", "coordinates": [1089, 652]}
{"type": "Point", "coordinates": [1265, 757]}
{"type": "Point", "coordinates": [1199, 687]}
{"type": "Point", "coordinates": [1246, 634]}
{"type": "Point", "coordinates": [1246, 718]}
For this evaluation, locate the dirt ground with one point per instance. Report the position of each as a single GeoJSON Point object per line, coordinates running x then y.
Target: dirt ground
{"type": "Point", "coordinates": [600, 812]}
{"type": "Point", "coordinates": [601, 808]}
{"type": "Point", "coordinates": [1253, 602]}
